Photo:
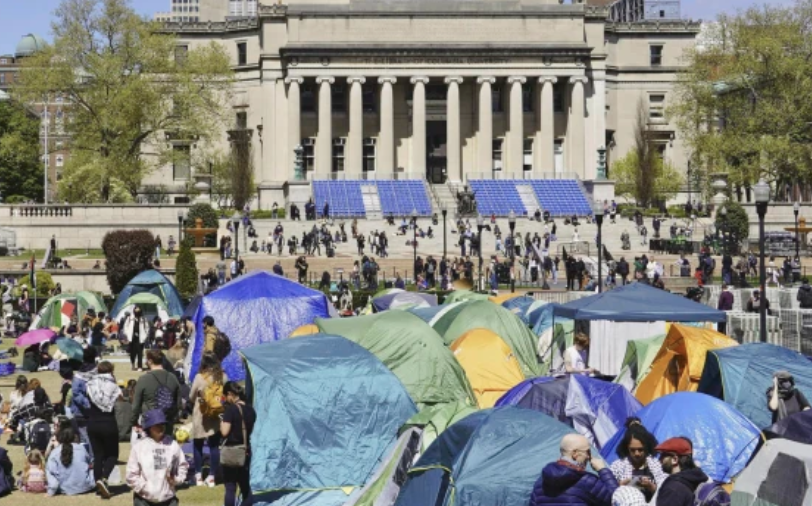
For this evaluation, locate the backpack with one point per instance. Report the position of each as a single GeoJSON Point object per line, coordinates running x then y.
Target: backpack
{"type": "Point", "coordinates": [164, 400]}
{"type": "Point", "coordinates": [212, 396]}
{"type": "Point", "coordinates": [711, 494]}
{"type": "Point", "coordinates": [39, 435]}
{"type": "Point", "coordinates": [222, 346]}
{"type": "Point", "coordinates": [805, 298]}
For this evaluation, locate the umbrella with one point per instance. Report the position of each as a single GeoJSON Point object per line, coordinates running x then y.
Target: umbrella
{"type": "Point", "coordinates": [70, 348]}
{"type": "Point", "coordinates": [34, 337]}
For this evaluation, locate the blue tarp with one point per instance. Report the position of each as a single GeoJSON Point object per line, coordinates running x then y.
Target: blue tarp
{"type": "Point", "coordinates": [328, 412]}
{"type": "Point", "coordinates": [191, 308]}
{"type": "Point", "coordinates": [151, 282]}
{"type": "Point", "coordinates": [519, 306]}
{"type": "Point", "coordinates": [724, 440]}
{"type": "Point", "coordinates": [398, 299]}
{"type": "Point", "coordinates": [597, 409]}
{"type": "Point", "coordinates": [489, 458]}
{"type": "Point", "coordinates": [638, 302]}
{"type": "Point", "coordinates": [257, 308]}
{"type": "Point", "coordinates": [541, 319]}
{"type": "Point", "coordinates": [741, 375]}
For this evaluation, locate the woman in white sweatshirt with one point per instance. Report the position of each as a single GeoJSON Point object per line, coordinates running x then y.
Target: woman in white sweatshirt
{"type": "Point", "coordinates": [156, 464]}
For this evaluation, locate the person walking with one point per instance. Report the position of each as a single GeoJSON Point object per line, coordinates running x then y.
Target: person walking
{"type": "Point", "coordinates": [206, 394]}
{"type": "Point", "coordinates": [136, 330]}
{"type": "Point", "coordinates": [156, 464]}
{"type": "Point", "coordinates": [102, 430]}
{"type": "Point", "coordinates": [157, 389]}
{"type": "Point", "coordinates": [725, 304]}
{"type": "Point", "coordinates": [236, 427]}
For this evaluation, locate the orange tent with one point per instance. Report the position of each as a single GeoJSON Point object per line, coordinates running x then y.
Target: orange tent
{"type": "Point", "coordinates": [305, 330]}
{"type": "Point", "coordinates": [678, 365]}
{"type": "Point", "coordinates": [489, 363]}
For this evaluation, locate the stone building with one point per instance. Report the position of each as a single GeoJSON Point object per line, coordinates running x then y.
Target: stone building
{"type": "Point", "coordinates": [448, 91]}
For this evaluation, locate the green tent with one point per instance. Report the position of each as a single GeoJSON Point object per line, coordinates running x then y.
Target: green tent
{"type": "Point", "coordinates": [637, 362]}
{"type": "Point", "coordinates": [435, 419]}
{"type": "Point", "coordinates": [411, 350]}
{"type": "Point", "coordinates": [463, 295]}
{"type": "Point", "coordinates": [151, 305]}
{"type": "Point", "coordinates": [500, 321]}
{"type": "Point", "coordinates": [552, 352]}
{"type": "Point", "coordinates": [59, 309]}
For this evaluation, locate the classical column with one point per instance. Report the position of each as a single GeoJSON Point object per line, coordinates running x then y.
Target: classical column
{"type": "Point", "coordinates": [485, 135]}
{"type": "Point", "coordinates": [599, 101]}
{"type": "Point", "coordinates": [544, 149]}
{"type": "Point", "coordinates": [576, 131]}
{"type": "Point", "coordinates": [294, 121]}
{"type": "Point", "coordinates": [355, 136]}
{"type": "Point", "coordinates": [515, 148]}
{"type": "Point", "coordinates": [453, 140]}
{"type": "Point", "coordinates": [419, 124]}
{"type": "Point", "coordinates": [324, 137]}
{"type": "Point", "coordinates": [386, 141]}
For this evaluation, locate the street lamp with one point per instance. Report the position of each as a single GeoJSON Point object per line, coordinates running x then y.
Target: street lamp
{"type": "Point", "coordinates": [480, 224]}
{"type": "Point", "coordinates": [235, 222]}
{"type": "Point", "coordinates": [414, 245]}
{"type": "Point", "coordinates": [723, 212]}
{"type": "Point", "coordinates": [762, 196]}
{"type": "Point", "coordinates": [597, 209]}
{"type": "Point", "coordinates": [445, 250]}
{"type": "Point", "coordinates": [180, 225]}
{"type": "Point", "coordinates": [512, 225]}
{"type": "Point", "coordinates": [796, 208]}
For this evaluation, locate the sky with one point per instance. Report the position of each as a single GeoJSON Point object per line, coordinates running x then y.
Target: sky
{"type": "Point", "coordinates": [18, 18]}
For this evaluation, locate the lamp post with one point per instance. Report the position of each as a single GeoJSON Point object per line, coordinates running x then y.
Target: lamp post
{"type": "Point", "coordinates": [796, 208]}
{"type": "Point", "coordinates": [180, 225]}
{"type": "Point", "coordinates": [723, 212]}
{"type": "Point", "coordinates": [235, 222]}
{"type": "Point", "coordinates": [597, 210]}
{"type": "Point", "coordinates": [512, 225]}
{"type": "Point", "coordinates": [480, 224]}
{"type": "Point", "coordinates": [762, 197]}
{"type": "Point", "coordinates": [445, 244]}
{"type": "Point", "coordinates": [414, 245]}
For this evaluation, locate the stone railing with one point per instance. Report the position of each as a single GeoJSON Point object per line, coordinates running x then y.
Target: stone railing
{"type": "Point", "coordinates": [40, 211]}
{"type": "Point", "coordinates": [119, 213]}
{"type": "Point", "coordinates": [522, 175]}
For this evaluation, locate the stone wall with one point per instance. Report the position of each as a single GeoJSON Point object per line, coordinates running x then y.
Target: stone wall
{"type": "Point", "coordinates": [74, 280]}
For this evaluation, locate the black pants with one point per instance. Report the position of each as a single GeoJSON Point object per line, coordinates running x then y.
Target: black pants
{"type": "Point", "coordinates": [234, 476]}
{"type": "Point", "coordinates": [104, 441]}
{"type": "Point", "coordinates": [137, 352]}
{"type": "Point", "coordinates": [140, 501]}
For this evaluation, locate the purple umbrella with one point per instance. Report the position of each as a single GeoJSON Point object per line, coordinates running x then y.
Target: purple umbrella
{"type": "Point", "coordinates": [35, 337]}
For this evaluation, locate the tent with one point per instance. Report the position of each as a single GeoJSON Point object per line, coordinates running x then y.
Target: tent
{"type": "Point", "coordinates": [779, 475]}
{"type": "Point", "coordinates": [502, 298]}
{"type": "Point", "coordinates": [328, 413]}
{"type": "Point", "coordinates": [151, 305]}
{"type": "Point", "coordinates": [597, 409]}
{"type": "Point", "coordinates": [191, 308]}
{"type": "Point", "coordinates": [489, 458]}
{"type": "Point", "coordinates": [723, 439]}
{"type": "Point", "coordinates": [464, 295]}
{"type": "Point", "coordinates": [489, 364]}
{"type": "Point", "coordinates": [155, 283]}
{"type": "Point", "coordinates": [640, 354]}
{"type": "Point", "coordinates": [500, 321]}
{"type": "Point", "coordinates": [59, 310]}
{"type": "Point", "coordinates": [741, 376]}
{"type": "Point", "coordinates": [796, 427]}
{"type": "Point", "coordinates": [519, 305]}
{"type": "Point", "coordinates": [395, 299]}
{"type": "Point", "coordinates": [258, 307]}
{"type": "Point", "coordinates": [411, 349]}
{"type": "Point", "coordinates": [305, 330]}
{"type": "Point", "coordinates": [432, 314]}
{"type": "Point", "coordinates": [436, 419]}
{"type": "Point", "coordinates": [679, 364]}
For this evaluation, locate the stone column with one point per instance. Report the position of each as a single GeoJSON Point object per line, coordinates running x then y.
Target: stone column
{"type": "Point", "coordinates": [294, 121]}
{"type": "Point", "coordinates": [515, 148]}
{"type": "Point", "coordinates": [386, 142]}
{"type": "Point", "coordinates": [485, 135]}
{"type": "Point", "coordinates": [453, 140]}
{"type": "Point", "coordinates": [419, 124]}
{"type": "Point", "coordinates": [599, 101]}
{"type": "Point", "coordinates": [324, 137]}
{"type": "Point", "coordinates": [577, 131]}
{"type": "Point", "coordinates": [544, 148]}
{"type": "Point", "coordinates": [355, 136]}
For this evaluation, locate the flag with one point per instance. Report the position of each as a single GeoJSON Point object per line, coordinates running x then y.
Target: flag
{"type": "Point", "coordinates": [33, 275]}
{"type": "Point", "coordinates": [68, 309]}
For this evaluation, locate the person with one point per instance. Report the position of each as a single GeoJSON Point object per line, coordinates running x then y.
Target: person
{"type": "Point", "coordinates": [783, 399]}
{"type": "Point", "coordinates": [124, 411]}
{"type": "Point", "coordinates": [576, 357]}
{"type": "Point", "coordinates": [97, 335]}
{"type": "Point", "coordinates": [637, 466]}
{"type": "Point", "coordinates": [69, 465]}
{"type": "Point", "coordinates": [567, 482]}
{"type": "Point", "coordinates": [725, 304]}
{"type": "Point", "coordinates": [687, 484]}
{"type": "Point", "coordinates": [33, 479]}
{"type": "Point", "coordinates": [80, 403]}
{"type": "Point", "coordinates": [210, 334]}
{"type": "Point", "coordinates": [156, 464]}
{"type": "Point", "coordinates": [754, 304]}
{"type": "Point", "coordinates": [301, 268]}
{"type": "Point", "coordinates": [136, 330]}
{"type": "Point", "coordinates": [157, 388]}
{"type": "Point", "coordinates": [102, 429]}
{"type": "Point", "coordinates": [20, 388]}
{"type": "Point", "coordinates": [277, 269]}
{"type": "Point", "coordinates": [6, 473]}
{"type": "Point", "coordinates": [236, 428]}
{"type": "Point", "coordinates": [399, 283]}
{"type": "Point", "coordinates": [205, 418]}
{"type": "Point", "coordinates": [804, 296]}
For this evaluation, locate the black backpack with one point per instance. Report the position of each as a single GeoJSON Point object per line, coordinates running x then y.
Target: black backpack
{"type": "Point", "coordinates": [222, 346]}
{"type": "Point", "coordinates": [805, 298]}
{"type": "Point", "coordinates": [164, 400]}
{"type": "Point", "coordinates": [39, 436]}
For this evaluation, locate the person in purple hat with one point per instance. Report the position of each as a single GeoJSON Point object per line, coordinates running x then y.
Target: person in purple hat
{"type": "Point", "coordinates": [156, 464]}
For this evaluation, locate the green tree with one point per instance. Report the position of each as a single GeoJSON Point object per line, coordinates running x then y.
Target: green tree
{"type": "Point", "coordinates": [735, 221]}
{"type": "Point", "coordinates": [186, 273]}
{"type": "Point", "coordinates": [128, 86]}
{"type": "Point", "coordinates": [20, 167]}
{"type": "Point", "coordinates": [128, 253]}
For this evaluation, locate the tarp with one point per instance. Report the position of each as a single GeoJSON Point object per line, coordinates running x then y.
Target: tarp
{"type": "Point", "coordinates": [328, 412]}
{"type": "Point", "coordinates": [679, 364]}
{"type": "Point", "coordinates": [779, 475]}
{"type": "Point", "coordinates": [256, 308]}
{"type": "Point", "coordinates": [596, 409]}
{"type": "Point", "coordinates": [57, 312]}
{"type": "Point", "coordinates": [155, 283]}
{"type": "Point", "coordinates": [436, 419]}
{"type": "Point", "coordinates": [796, 427]}
{"type": "Point", "coordinates": [489, 364]}
{"type": "Point", "coordinates": [741, 376]}
{"type": "Point", "coordinates": [401, 298]}
{"type": "Point", "coordinates": [411, 349]}
{"type": "Point", "coordinates": [500, 321]}
{"type": "Point", "coordinates": [723, 438]}
{"type": "Point", "coordinates": [637, 302]}
{"type": "Point", "coordinates": [191, 308]}
{"type": "Point", "coordinates": [540, 317]}
{"type": "Point", "coordinates": [640, 354]}
{"type": "Point", "coordinates": [519, 305]}
{"type": "Point", "coordinates": [489, 458]}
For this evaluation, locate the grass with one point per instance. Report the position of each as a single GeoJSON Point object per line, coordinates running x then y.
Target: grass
{"type": "Point", "coordinates": [93, 254]}
{"type": "Point", "coordinates": [193, 496]}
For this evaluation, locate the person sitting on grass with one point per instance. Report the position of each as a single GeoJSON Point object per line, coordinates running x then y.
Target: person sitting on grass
{"type": "Point", "coordinates": [33, 479]}
{"type": "Point", "coordinates": [69, 466]}
{"type": "Point", "coordinates": [156, 464]}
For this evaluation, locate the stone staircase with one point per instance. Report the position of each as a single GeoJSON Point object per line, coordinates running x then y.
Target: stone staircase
{"type": "Point", "coordinates": [528, 198]}
{"type": "Point", "coordinates": [372, 201]}
{"type": "Point", "coordinates": [444, 196]}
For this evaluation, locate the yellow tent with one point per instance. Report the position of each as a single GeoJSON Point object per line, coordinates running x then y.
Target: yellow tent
{"type": "Point", "coordinates": [499, 299]}
{"type": "Point", "coordinates": [489, 364]}
{"type": "Point", "coordinates": [678, 365]}
{"type": "Point", "coordinates": [305, 330]}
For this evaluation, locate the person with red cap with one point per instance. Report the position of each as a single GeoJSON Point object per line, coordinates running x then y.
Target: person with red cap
{"type": "Point", "coordinates": [687, 484]}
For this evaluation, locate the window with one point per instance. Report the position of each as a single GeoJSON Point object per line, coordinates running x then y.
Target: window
{"type": "Point", "coordinates": [660, 150]}
{"type": "Point", "coordinates": [656, 55]}
{"type": "Point", "coordinates": [369, 155]}
{"type": "Point", "coordinates": [252, 7]}
{"type": "Point", "coordinates": [436, 91]}
{"type": "Point", "coordinates": [527, 98]}
{"type": "Point", "coordinates": [558, 100]}
{"type": "Point", "coordinates": [235, 8]}
{"type": "Point", "coordinates": [2, 78]}
{"type": "Point", "coordinates": [181, 168]}
{"type": "Point", "coordinates": [3, 61]}
{"type": "Point", "coordinates": [496, 98]}
{"type": "Point", "coordinates": [242, 53]}
{"type": "Point", "coordinates": [309, 153]}
{"type": "Point", "coordinates": [180, 54]}
{"type": "Point", "coordinates": [368, 97]}
{"type": "Point", "coordinates": [60, 160]}
{"type": "Point", "coordinates": [338, 155]}
{"type": "Point", "coordinates": [662, 13]}
{"type": "Point", "coordinates": [527, 160]}
{"type": "Point", "coordinates": [497, 154]}
{"type": "Point", "coordinates": [242, 120]}
{"type": "Point", "coordinates": [338, 98]}
{"type": "Point", "coordinates": [656, 107]}
{"type": "Point", "coordinates": [308, 97]}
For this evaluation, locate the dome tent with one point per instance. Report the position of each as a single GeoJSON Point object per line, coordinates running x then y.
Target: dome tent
{"type": "Point", "coordinates": [490, 365]}
{"type": "Point", "coordinates": [57, 312]}
{"type": "Point", "coordinates": [153, 282]}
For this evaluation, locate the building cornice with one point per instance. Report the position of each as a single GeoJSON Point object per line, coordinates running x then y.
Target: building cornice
{"type": "Point", "coordinates": [433, 50]}
{"type": "Point", "coordinates": [209, 27]}
{"type": "Point", "coordinates": [442, 9]}
{"type": "Point", "coordinates": [648, 27]}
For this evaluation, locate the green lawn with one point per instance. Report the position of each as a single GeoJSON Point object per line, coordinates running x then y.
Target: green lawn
{"type": "Point", "coordinates": [67, 253]}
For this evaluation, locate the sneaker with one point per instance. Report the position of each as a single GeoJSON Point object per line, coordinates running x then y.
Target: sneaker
{"type": "Point", "coordinates": [199, 480]}
{"type": "Point", "coordinates": [101, 488]}
{"type": "Point", "coordinates": [210, 481]}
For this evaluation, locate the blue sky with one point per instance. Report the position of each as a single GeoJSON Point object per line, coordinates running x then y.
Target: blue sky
{"type": "Point", "coordinates": [18, 18]}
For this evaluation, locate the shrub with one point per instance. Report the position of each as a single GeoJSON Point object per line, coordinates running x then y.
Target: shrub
{"type": "Point", "coordinates": [45, 283]}
{"type": "Point", "coordinates": [16, 199]}
{"type": "Point", "coordinates": [186, 273]}
{"type": "Point", "coordinates": [128, 253]}
{"type": "Point", "coordinates": [3, 251]}
{"type": "Point", "coordinates": [736, 220]}
{"type": "Point", "coordinates": [204, 212]}
{"type": "Point", "coordinates": [677, 212]}
{"type": "Point", "coordinates": [266, 214]}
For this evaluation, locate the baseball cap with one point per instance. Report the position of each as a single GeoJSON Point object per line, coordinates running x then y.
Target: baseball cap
{"type": "Point", "coordinates": [676, 445]}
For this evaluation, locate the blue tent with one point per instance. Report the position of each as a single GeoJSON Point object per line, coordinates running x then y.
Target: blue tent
{"type": "Point", "coordinates": [256, 308]}
{"type": "Point", "coordinates": [597, 409]}
{"type": "Point", "coordinates": [541, 318]}
{"type": "Point", "coordinates": [741, 375]}
{"type": "Point", "coordinates": [151, 282]}
{"type": "Point", "coordinates": [519, 305]}
{"type": "Point", "coordinates": [489, 458]}
{"type": "Point", "coordinates": [724, 440]}
{"type": "Point", "coordinates": [328, 412]}
{"type": "Point", "coordinates": [394, 300]}
{"type": "Point", "coordinates": [638, 302]}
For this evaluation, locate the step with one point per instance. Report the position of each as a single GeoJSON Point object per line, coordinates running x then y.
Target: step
{"type": "Point", "coordinates": [528, 198]}
{"type": "Point", "coordinates": [372, 202]}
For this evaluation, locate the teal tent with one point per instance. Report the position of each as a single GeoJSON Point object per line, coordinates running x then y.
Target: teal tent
{"type": "Point", "coordinates": [155, 283]}
{"type": "Point", "coordinates": [328, 414]}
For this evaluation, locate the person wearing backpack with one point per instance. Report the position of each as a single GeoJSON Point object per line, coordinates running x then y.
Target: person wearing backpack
{"type": "Point", "coordinates": [157, 389]}
{"type": "Point", "coordinates": [687, 484]}
{"type": "Point", "coordinates": [207, 396]}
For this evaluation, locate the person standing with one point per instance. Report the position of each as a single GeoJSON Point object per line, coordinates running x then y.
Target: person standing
{"type": "Point", "coordinates": [102, 429]}
{"type": "Point", "coordinates": [236, 428]}
{"type": "Point", "coordinates": [158, 245]}
{"type": "Point", "coordinates": [783, 399]}
{"type": "Point", "coordinates": [206, 393]}
{"type": "Point", "coordinates": [157, 389]}
{"type": "Point", "coordinates": [687, 484]}
{"type": "Point", "coordinates": [156, 464]}
{"type": "Point", "coordinates": [136, 329]}
{"type": "Point", "coordinates": [725, 304]}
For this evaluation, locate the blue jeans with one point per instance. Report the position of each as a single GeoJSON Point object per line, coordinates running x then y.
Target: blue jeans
{"type": "Point", "coordinates": [214, 454]}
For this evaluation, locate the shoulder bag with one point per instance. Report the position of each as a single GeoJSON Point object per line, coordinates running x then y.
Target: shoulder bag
{"type": "Point", "coordinates": [235, 456]}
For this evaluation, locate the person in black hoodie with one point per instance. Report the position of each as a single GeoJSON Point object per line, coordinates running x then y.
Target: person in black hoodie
{"type": "Point", "coordinates": [804, 296]}
{"type": "Point", "coordinates": [676, 458]}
